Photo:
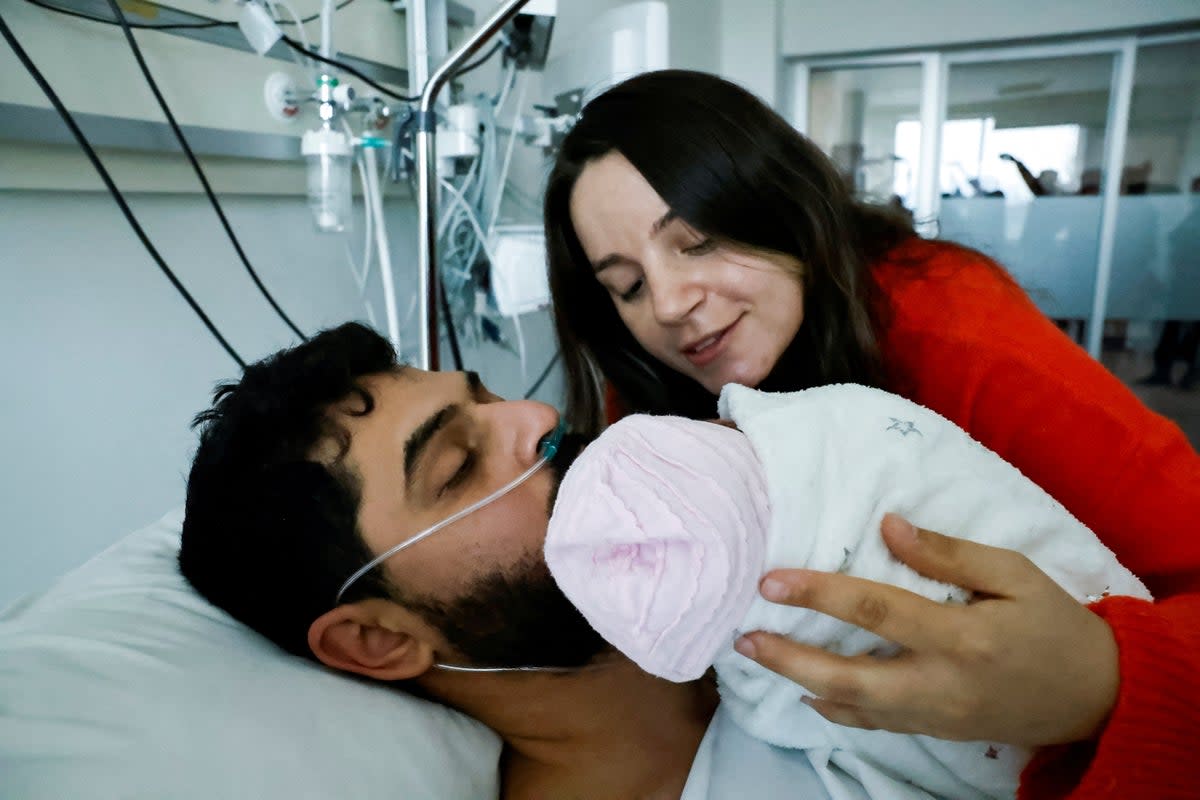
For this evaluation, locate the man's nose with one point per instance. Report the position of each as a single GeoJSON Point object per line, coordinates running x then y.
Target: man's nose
{"type": "Point", "coordinates": [518, 426]}
{"type": "Point", "coordinates": [674, 292]}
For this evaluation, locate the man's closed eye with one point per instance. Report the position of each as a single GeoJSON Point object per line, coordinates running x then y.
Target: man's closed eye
{"type": "Point", "coordinates": [460, 475]}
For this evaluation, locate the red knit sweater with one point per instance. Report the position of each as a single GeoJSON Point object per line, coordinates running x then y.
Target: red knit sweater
{"type": "Point", "coordinates": [959, 337]}
{"type": "Point", "coordinates": [967, 343]}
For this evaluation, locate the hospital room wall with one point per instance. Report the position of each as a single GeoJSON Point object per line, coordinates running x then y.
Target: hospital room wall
{"type": "Point", "coordinates": [104, 365]}
{"type": "Point", "coordinates": [751, 39]}
{"type": "Point", "coordinates": [816, 27]}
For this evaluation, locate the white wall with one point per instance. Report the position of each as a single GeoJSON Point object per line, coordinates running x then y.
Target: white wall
{"type": "Point", "coordinates": [205, 85]}
{"type": "Point", "coordinates": [737, 39]}
{"type": "Point", "coordinates": [695, 35]}
{"type": "Point", "coordinates": [814, 27]}
{"type": "Point", "coordinates": [104, 366]}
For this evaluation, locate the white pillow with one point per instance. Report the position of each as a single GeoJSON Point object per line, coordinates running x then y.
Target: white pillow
{"type": "Point", "coordinates": [121, 682]}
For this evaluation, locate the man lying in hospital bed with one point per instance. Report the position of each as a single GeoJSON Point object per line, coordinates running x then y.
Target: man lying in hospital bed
{"type": "Point", "coordinates": [120, 681]}
{"type": "Point", "coordinates": [663, 527]}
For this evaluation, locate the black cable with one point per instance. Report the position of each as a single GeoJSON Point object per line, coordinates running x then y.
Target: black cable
{"type": "Point", "coordinates": [191, 156]}
{"type": "Point", "coordinates": [172, 26]}
{"type": "Point", "coordinates": [167, 27]}
{"type": "Point", "coordinates": [312, 17]}
{"type": "Point", "coordinates": [452, 334]}
{"type": "Point", "coordinates": [287, 40]}
{"type": "Point", "coordinates": [479, 62]}
{"type": "Point", "coordinates": [545, 374]}
{"type": "Point", "coordinates": [40, 79]}
{"type": "Point", "coordinates": [333, 62]}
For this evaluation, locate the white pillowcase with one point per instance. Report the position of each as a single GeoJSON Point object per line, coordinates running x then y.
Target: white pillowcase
{"type": "Point", "coordinates": [121, 682]}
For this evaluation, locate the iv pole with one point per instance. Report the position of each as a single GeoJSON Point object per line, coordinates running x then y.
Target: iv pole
{"type": "Point", "coordinates": [426, 158]}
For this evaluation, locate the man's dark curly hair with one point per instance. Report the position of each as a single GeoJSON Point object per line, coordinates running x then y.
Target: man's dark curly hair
{"type": "Point", "coordinates": [269, 533]}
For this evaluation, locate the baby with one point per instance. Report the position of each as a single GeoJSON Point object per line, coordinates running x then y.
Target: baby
{"type": "Point", "coordinates": [663, 527]}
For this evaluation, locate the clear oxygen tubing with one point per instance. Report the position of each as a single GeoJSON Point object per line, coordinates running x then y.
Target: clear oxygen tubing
{"type": "Point", "coordinates": [360, 276]}
{"type": "Point", "coordinates": [374, 201]}
{"type": "Point", "coordinates": [559, 670]}
{"type": "Point", "coordinates": [508, 154]}
{"type": "Point", "coordinates": [548, 448]}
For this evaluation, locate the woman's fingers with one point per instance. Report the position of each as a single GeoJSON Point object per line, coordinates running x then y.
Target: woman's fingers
{"type": "Point", "coordinates": [978, 567]}
{"type": "Point", "coordinates": [856, 681]}
{"type": "Point", "coordinates": [842, 714]}
{"type": "Point", "coordinates": [1028, 665]}
{"type": "Point", "coordinates": [896, 614]}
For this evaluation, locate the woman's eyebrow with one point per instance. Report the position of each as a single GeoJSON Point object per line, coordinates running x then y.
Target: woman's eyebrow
{"type": "Point", "coordinates": [655, 229]}
{"type": "Point", "coordinates": [606, 262]}
{"type": "Point", "coordinates": [662, 222]}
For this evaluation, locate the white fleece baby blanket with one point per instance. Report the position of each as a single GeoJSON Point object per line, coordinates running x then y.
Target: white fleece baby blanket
{"type": "Point", "coordinates": [837, 458]}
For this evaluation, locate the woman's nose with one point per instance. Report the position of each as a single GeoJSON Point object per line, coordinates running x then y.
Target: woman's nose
{"type": "Point", "coordinates": [673, 293]}
{"type": "Point", "coordinates": [518, 427]}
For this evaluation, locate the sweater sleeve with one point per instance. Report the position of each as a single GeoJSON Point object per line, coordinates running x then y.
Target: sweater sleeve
{"type": "Point", "coordinates": [966, 342]}
{"type": "Point", "coordinates": [1147, 748]}
{"type": "Point", "coordinates": [614, 406]}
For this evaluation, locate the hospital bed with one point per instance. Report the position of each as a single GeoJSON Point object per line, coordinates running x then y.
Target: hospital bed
{"type": "Point", "coordinates": [119, 681]}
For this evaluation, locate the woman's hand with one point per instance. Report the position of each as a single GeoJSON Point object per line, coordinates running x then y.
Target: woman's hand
{"type": "Point", "coordinates": [1024, 663]}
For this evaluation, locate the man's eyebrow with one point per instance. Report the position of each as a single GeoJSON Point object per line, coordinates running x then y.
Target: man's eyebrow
{"type": "Point", "coordinates": [474, 384]}
{"type": "Point", "coordinates": [415, 447]}
{"type": "Point", "coordinates": [660, 223]}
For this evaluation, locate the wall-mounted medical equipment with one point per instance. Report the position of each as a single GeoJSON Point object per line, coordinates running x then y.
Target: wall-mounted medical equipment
{"type": "Point", "coordinates": [448, 147]}
{"type": "Point", "coordinates": [455, 147]}
{"type": "Point", "coordinates": [614, 45]}
{"type": "Point", "coordinates": [518, 280]}
{"type": "Point", "coordinates": [329, 154]}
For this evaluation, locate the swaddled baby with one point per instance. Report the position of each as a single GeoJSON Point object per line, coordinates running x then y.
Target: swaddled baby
{"type": "Point", "coordinates": [663, 527]}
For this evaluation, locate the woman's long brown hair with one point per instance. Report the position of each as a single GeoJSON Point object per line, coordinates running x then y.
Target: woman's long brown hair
{"type": "Point", "coordinates": [732, 168]}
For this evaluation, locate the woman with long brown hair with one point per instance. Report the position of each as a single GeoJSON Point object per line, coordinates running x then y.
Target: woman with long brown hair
{"type": "Point", "coordinates": [695, 239]}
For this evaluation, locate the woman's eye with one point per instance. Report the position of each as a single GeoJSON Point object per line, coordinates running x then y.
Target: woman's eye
{"type": "Point", "coordinates": [632, 292]}
{"type": "Point", "coordinates": [460, 475]}
{"type": "Point", "coordinates": [700, 248]}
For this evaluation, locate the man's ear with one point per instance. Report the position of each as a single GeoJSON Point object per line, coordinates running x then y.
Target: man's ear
{"type": "Point", "coordinates": [375, 638]}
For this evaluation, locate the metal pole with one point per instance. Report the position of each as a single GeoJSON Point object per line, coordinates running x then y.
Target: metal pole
{"type": "Point", "coordinates": [1115, 138]}
{"type": "Point", "coordinates": [417, 24]}
{"type": "Point", "coordinates": [426, 155]}
{"type": "Point", "coordinates": [934, 92]}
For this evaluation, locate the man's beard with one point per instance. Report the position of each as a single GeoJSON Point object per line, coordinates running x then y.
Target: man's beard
{"type": "Point", "coordinates": [519, 617]}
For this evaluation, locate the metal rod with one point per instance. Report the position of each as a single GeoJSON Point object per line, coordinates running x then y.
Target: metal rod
{"type": "Point", "coordinates": [426, 155]}
{"type": "Point", "coordinates": [1115, 138]}
{"type": "Point", "coordinates": [416, 22]}
{"type": "Point", "coordinates": [934, 83]}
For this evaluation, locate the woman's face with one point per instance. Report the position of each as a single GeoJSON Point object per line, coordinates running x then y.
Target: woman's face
{"type": "Point", "coordinates": [717, 313]}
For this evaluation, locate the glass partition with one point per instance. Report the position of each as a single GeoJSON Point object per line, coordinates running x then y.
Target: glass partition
{"type": "Point", "coordinates": [1154, 300]}
{"type": "Point", "coordinates": [854, 115]}
{"type": "Point", "coordinates": [1024, 134]}
{"type": "Point", "coordinates": [1022, 145]}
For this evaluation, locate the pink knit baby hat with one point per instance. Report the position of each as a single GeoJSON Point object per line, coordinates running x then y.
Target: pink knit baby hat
{"type": "Point", "coordinates": [658, 537]}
